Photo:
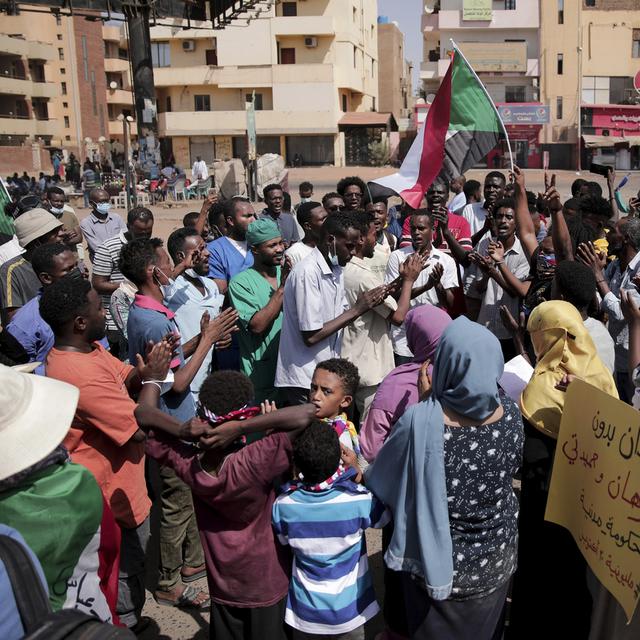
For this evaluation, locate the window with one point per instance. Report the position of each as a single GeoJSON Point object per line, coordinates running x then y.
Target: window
{"type": "Point", "coordinates": [515, 94]}
{"type": "Point", "coordinates": [510, 5]}
{"type": "Point", "coordinates": [59, 36]}
{"type": "Point", "coordinates": [288, 55]}
{"type": "Point", "coordinates": [58, 19]}
{"type": "Point", "coordinates": [355, 54]}
{"type": "Point", "coordinates": [595, 90]}
{"type": "Point", "coordinates": [65, 105]}
{"type": "Point", "coordinates": [355, 14]}
{"type": "Point", "coordinates": [67, 138]}
{"type": "Point", "coordinates": [344, 102]}
{"type": "Point", "coordinates": [63, 88]}
{"type": "Point", "coordinates": [258, 103]}
{"type": "Point", "coordinates": [62, 71]}
{"type": "Point", "coordinates": [590, 3]}
{"type": "Point", "coordinates": [66, 122]}
{"type": "Point", "coordinates": [211, 57]}
{"type": "Point", "coordinates": [559, 108]}
{"type": "Point", "coordinates": [202, 103]}
{"type": "Point", "coordinates": [85, 58]}
{"type": "Point", "coordinates": [560, 11]}
{"type": "Point", "coordinates": [560, 64]}
{"type": "Point", "coordinates": [160, 54]}
{"type": "Point", "coordinates": [289, 9]}
{"type": "Point", "coordinates": [94, 95]}
{"type": "Point", "coordinates": [635, 44]}
{"type": "Point", "coordinates": [60, 54]}
{"type": "Point", "coordinates": [168, 104]}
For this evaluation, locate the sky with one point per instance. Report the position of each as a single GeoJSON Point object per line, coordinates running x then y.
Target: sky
{"type": "Point", "coordinates": [408, 15]}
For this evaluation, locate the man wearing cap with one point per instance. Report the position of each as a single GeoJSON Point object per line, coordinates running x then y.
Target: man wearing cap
{"type": "Point", "coordinates": [257, 295]}
{"type": "Point", "coordinates": [18, 281]}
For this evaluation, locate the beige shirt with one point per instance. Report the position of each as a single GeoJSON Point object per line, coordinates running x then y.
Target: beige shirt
{"type": "Point", "coordinates": [367, 342]}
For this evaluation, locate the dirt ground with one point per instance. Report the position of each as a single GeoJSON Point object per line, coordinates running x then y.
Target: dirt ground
{"type": "Point", "coordinates": [175, 624]}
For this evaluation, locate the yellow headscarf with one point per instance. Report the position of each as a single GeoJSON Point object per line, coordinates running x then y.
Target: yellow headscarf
{"type": "Point", "coordinates": [562, 345]}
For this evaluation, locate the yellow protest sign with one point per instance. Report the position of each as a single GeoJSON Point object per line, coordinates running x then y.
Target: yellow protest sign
{"type": "Point", "coordinates": [595, 487]}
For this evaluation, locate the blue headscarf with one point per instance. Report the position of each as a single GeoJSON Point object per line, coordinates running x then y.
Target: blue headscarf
{"type": "Point", "coordinates": [408, 473]}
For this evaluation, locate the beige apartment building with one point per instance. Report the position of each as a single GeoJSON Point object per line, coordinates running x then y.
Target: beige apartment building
{"type": "Point", "coordinates": [590, 53]}
{"type": "Point", "coordinates": [55, 72]}
{"type": "Point", "coordinates": [395, 86]}
{"type": "Point", "coordinates": [308, 63]}
{"type": "Point", "coordinates": [500, 39]}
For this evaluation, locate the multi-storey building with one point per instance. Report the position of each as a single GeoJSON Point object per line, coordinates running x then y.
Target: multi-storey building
{"type": "Point", "coordinates": [55, 72]}
{"type": "Point", "coordinates": [307, 62]}
{"type": "Point", "coordinates": [590, 54]}
{"type": "Point", "coordinates": [501, 42]}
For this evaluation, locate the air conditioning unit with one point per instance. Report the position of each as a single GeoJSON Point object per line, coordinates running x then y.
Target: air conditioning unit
{"type": "Point", "coordinates": [311, 42]}
{"type": "Point", "coordinates": [188, 45]}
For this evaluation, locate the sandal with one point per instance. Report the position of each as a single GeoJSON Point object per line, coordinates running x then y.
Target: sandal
{"type": "Point", "coordinates": [189, 598]}
{"type": "Point", "coordinates": [194, 576]}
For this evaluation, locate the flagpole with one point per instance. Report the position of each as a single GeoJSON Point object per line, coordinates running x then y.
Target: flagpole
{"type": "Point", "coordinates": [504, 129]}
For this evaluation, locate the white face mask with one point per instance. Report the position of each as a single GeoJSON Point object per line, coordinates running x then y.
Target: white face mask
{"type": "Point", "coordinates": [169, 289]}
{"type": "Point", "coordinates": [103, 207]}
{"type": "Point", "coordinates": [57, 211]}
{"type": "Point", "coordinates": [333, 257]}
{"type": "Point", "coordinates": [305, 199]}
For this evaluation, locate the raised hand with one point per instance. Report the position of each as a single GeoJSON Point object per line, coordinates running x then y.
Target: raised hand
{"type": "Point", "coordinates": [222, 326]}
{"type": "Point", "coordinates": [285, 270]}
{"type": "Point", "coordinates": [412, 267]}
{"type": "Point", "coordinates": [596, 261]}
{"type": "Point", "coordinates": [158, 359]}
{"type": "Point", "coordinates": [484, 263]}
{"type": "Point", "coordinates": [518, 178]}
{"type": "Point", "coordinates": [425, 383]}
{"type": "Point", "coordinates": [436, 275]}
{"type": "Point", "coordinates": [370, 299]}
{"type": "Point", "coordinates": [496, 251]}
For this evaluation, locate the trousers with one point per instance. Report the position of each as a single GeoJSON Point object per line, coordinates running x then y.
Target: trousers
{"type": "Point", "coordinates": [131, 574]}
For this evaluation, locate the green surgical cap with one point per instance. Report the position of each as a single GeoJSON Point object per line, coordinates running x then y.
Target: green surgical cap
{"type": "Point", "coordinates": [262, 230]}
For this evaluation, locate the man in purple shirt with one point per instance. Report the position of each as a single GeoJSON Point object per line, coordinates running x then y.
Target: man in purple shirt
{"type": "Point", "coordinates": [100, 225]}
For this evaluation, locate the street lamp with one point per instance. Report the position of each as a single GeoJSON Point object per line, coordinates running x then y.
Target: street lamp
{"type": "Point", "coordinates": [126, 123]}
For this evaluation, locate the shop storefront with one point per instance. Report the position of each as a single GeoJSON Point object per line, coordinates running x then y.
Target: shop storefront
{"type": "Point", "coordinates": [611, 135]}
{"type": "Point", "coordinates": [523, 122]}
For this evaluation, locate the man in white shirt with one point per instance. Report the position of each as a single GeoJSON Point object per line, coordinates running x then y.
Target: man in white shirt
{"type": "Point", "coordinates": [459, 200]}
{"type": "Point", "coordinates": [477, 214]}
{"type": "Point", "coordinates": [314, 309]}
{"type": "Point", "coordinates": [199, 171]}
{"type": "Point", "coordinates": [497, 277]}
{"type": "Point", "coordinates": [192, 293]}
{"type": "Point", "coordinates": [311, 217]}
{"type": "Point", "coordinates": [434, 285]}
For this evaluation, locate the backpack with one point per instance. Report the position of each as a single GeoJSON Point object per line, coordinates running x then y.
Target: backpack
{"type": "Point", "coordinates": [38, 620]}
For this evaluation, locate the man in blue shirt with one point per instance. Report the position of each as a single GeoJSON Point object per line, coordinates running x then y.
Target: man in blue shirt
{"type": "Point", "coordinates": [229, 255]}
{"type": "Point", "coordinates": [274, 199]}
{"type": "Point", "coordinates": [50, 263]}
{"type": "Point", "coordinates": [146, 264]}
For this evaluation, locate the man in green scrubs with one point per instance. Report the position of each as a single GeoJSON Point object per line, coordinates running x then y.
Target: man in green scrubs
{"type": "Point", "coordinates": [257, 294]}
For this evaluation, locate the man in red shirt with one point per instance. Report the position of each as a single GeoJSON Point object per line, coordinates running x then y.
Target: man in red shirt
{"type": "Point", "coordinates": [107, 433]}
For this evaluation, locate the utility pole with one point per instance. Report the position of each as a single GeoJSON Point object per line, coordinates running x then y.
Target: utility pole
{"type": "Point", "coordinates": [144, 90]}
{"type": "Point", "coordinates": [579, 107]}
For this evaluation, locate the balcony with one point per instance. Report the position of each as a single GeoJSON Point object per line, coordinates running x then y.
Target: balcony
{"type": "Point", "coordinates": [429, 70]}
{"type": "Point", "coordinates": [242, 77]}
{"type": "Point", "coordinates": [116, 65]}
{"type": "Point", "coordinates": [112, 34]}
{"type": "Point", "coordinates": [116, 128]}
{"type": "Point", "coordinates": [26, 87]}
{"type": "Point", "coordinates": [303, 26]}
{"type": "Point", "coordinates": [26, 48]}
{"type": "Point", "coordinates": [430, 23]}
{"type": "Point", "coordinates": [191, 123]}
{"type": "Point", "coordinates": [119, 96]}
{"type": "Point", "coordinates": [24, 126]}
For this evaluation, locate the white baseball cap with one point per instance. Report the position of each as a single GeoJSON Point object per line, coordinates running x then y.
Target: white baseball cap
{"type": "Point", "coordinates": [35, 416]}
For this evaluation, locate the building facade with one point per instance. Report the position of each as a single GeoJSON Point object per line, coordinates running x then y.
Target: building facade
{"type": "Point", "coordinates": [55, 72]}
{"type": "Point", "coordinates": [307, 63]}
{"type": "Point", "coordinates": [500, 39]}
{"type": "Point", "coordinates": [591, 50]}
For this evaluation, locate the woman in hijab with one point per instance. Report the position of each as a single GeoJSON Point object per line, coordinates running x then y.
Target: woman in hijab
{"type": "Point", "coordinates": [549, 562]}
{"type": "Point", "coordinates": [452, 457]}
{"type": "Point", "coordinates": [399, 390]}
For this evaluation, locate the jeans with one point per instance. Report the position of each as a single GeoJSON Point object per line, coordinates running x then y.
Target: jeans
{"type": "Point", "coordinates": [131, 575]}
{"type": "Point", "coordinates": [179, 539]}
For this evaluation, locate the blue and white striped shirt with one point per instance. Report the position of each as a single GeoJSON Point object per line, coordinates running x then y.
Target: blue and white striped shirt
{"type": "Point", "coordinates": [331, 589]}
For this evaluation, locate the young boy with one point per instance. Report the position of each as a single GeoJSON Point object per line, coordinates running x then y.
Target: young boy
{"type": "Point", "coordinates": [232, 487]}
{"type": "Point", "coordinates": [333, 387]}
{"type": "Point", "coordinates": [323, 518]}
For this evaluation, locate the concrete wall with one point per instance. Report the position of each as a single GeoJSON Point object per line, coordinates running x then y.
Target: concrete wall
{"type": "Point", "coordinates": [392, 69]}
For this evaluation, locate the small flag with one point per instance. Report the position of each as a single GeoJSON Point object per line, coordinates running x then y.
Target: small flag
{"type": "Point", "coordinates": [462, 126]}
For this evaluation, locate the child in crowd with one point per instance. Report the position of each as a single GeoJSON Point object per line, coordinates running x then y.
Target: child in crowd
{"type": "Point", "coordinates": [333, 387]}
{"type": "Point", "coordinates": [232, 485]}
{"type": "Point", "coordinates": [323, 518]}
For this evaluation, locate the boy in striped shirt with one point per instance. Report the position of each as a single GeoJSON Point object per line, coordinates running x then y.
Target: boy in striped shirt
{"type": "Point", "coordinates": [323, 518]}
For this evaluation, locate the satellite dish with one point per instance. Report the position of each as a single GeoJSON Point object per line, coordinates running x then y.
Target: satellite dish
{"type": "Point", "coordinates": [429, 6]}
{"type": "Point", "coordinates": [431, 97]}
